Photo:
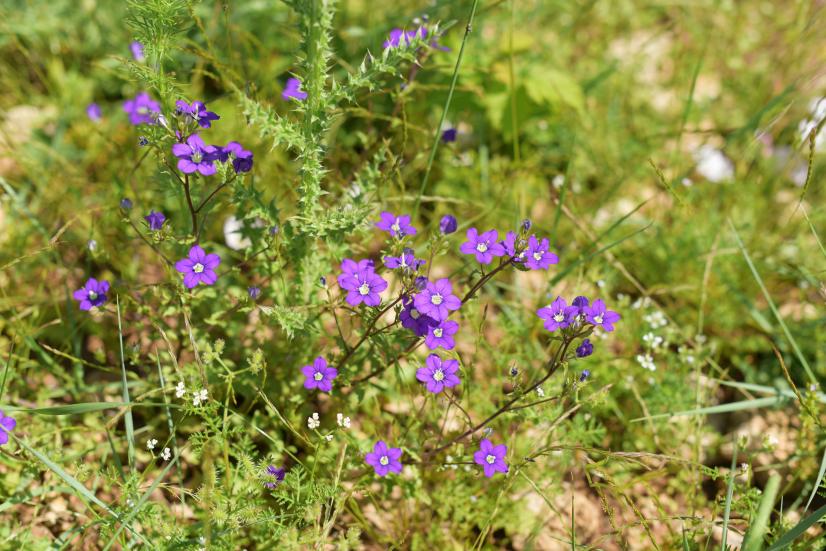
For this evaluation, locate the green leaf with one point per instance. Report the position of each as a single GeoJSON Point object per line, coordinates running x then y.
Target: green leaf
{"type": "Point", "coordinates": [798, 530]}
{"type": "Point", "coordinates": [555, 89]}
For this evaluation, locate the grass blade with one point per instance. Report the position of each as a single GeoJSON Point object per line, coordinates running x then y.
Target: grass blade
{"type": "Point", "coordinates": [818, 480]}
{"type": "Point", "coordinates": [754, 536]}
{"type": "Point", "coordinates": [772, 306]}
{"type": "Point", "coordinates": [729, 494]}
{"type": "Point", "coordinates": [722, 408]}
{"type": "Point", "coordinates": [798, 530]}
{"type": "Point", "coordinates": [130, 429]}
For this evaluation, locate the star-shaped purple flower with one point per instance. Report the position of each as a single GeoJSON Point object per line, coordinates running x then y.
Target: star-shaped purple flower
{"type": "Point", "coordinates": [7, 425]}
{"type": "Point", "coordinates": [398, 226]}
{"type": "Point", "coordinates": [406, 261]}
{"type": "Point", "coordinates": [93, 112]}
{"type": "Point", "coordinates": [600, 316]}
{"type": "Point", "coordinates": [362, 284]}
{"type": "Point", "coordinates": [92, 294]}
{"type": "Point", "coordinates": [319, 375]}
{"type": "Point", "coordinates": [557, 315]}
{"type": "Point", "coordinates": [442, 335]}
{"type": "Point", "coordinates": [278, 475]}
{"type": "Point", "coordinates": [293, 90]}
{"type": "Point", "coordinates": [399, 37]}
{"type": "Point", "coordinates": [436, 300]}
{"type": "Point", "coordinates": [199, 267]}
{"type": "Point", "coordinates": [137, 50]}
{"type": "Point", "coordinates": [155, 220]}
{"type": "Point", "coordinates": [581, 303]}
{"type": "Point", "coordinates": [384, 459]}
{"type": "Point", "coordinates": [195, 155]}
{"type": "Point", "coordinates": [491, 458]}
{"type": "Point", "coordinates": [585, 349]}
{"type": "Point", "coordinates": [241, 158]}
{"type": "Point", "coordinates": [414, 320]}
{"type": "Point", "coordinates": [537, 255]}
{"type": "Point", "coordinates": [483, 245]}
{"type": "Point", "coordinates": [198, 112]}
{"type": "Point", "coordinates": [437, 374]}
{"type": "Point", "coordinates": [142, 109]}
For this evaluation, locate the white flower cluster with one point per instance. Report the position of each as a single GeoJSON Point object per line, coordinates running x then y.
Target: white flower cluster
{"type": "Point", "coordinates": [343, 422]}
{"type": "Point", "coordinates": [647, 362]}
{"type": "Point", "coordinates": [652, 341]}
{"type": "Point", "coordinates": [656, 319]}
{"type": "Point", "coordinates": [199, 397]}
{"type": "Point", "coordinates": [313, 422]}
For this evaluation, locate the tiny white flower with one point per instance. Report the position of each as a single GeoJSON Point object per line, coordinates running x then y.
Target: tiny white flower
{"type": "Point", "coordinates": [342, 420]}
{"type": "Point", "coordinates": [329, 437]}
{"type": "Point", "coordinates": [558, 181]}
{"type": "Point", "coordinates": [713, 165]}
{"type": "Point", "coordinates": [92, 244]}
{"type": "Point", "coordinates": [166, 454]}
{"type": "Point", "coordinates": [540, 392]}
{"type": "Point", "coordinates": [656, 319]}
{"type": "Point", "coordinates": [151, 443]}
{"type": "Point", "coordinates": [770, 441]}
{"type": "Point", "coordinates": [180, 390]}
{"type": "Point", "coordinates": [313, 422]}
{"type": "Point", "coordinates": [200, 396]}
{"type": "Point", "coordinates": [646, 361]}
{"type": "Point", "coordinates": [744, 468]}
{"type": "Point", "coordinates": [600, 283]}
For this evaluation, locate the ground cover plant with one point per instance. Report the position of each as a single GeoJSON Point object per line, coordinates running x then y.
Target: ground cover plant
{"type": "Point", "coordinates": [493, 274]}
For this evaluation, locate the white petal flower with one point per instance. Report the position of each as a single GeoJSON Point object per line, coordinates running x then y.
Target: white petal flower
{"type": "Point", "coordinates": [313, 422]}
{"type": "Point", "coordinates": [342, 420]}
{"type": "Point", "coordinates": [180, 390]}
{"type": "Point", "coordinates": [151, 443]}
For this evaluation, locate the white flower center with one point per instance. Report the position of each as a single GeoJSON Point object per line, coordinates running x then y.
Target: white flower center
{"type": "Point", "coordinates": [364, 289]}
{"type": "Point", "coordinates": [318, 375]}
{"type": "Point", "coordinates": [491, 459]}
{"type": "Point", "coordinates": [197, 156]}
{"type": "Point", "coordinates": [396, 227]}
{"type": "Point", "coordinates": [438, 332]}
{"type": "Point", "coordinates": [198, 268]}
{"type": "Point", "coordinates": [598, 319]}
{"type": "Point", "coordinates": [439, 375]}
{"type": "Point", "coordinates": [436, 299]}
{"type": "Point", "coordinates": [482, 247]}
{"type": "Point", "coordinates": [92, 295]}
{"type": "Point", "coordinates": [537, 256]}
{"type": "Point", "coordinates": [142, 110]}
{"type": "Point", "coordinates": [414, 314]}
{"type": "Point", "coordinates": [559, 316]}
{"type": "Point", "coordinates": [384, 460]}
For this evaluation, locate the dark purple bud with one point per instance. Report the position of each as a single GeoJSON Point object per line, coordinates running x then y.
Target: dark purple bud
{"type": "Point", "coordinates": [526, 224]}
{"type": "Point", "coordinates": [274, 230]}
{"type": "Point", "coordinates": [323, 281]}
{"type": "Point", "coordinates": [581, 303]}
{"type": "Point", "coordinates": [448, 224]}
{"type": "Point", "coordinates": [126, 203]}
{"type": "Point", "coordinates": [254, 292]}
{"type": "Point", "coordinates": [514, 371]}
{"type": "Point", "coordinates": [155, 220]}
{"type": "Point", "coordinates": [449, 135]}
{"type": "Point", "coordinates": [585, 349]}
{"type": "Point", "coordinates": [143, 141]}
{"type": "Point", "coordinates": [421, 283]}
{"type": "Point", "coordinates": [585, 375]}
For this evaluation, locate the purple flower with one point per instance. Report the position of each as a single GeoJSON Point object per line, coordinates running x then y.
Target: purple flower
{"type": "Point", "coordinates": [442, 335]}
{"type": "Point", "coordinates": [526, 224]}
{"type": "Point", "coordinates": [398, 226]}
{"type": "Point", "coordinates": [585, 374]}
{"type": "Point", "coordinates": [92, 294]}
{"type": "Point", "coordinates": [141, 108]}
{"type": "Point", "coordinates": [241, 158]}
{"type": "Point", "coordinates": [137, 50]}
{"type": "Point", "coordinates": [449, 135]}
{"type": "Point", "coordinates": [437, 374]}
{"type": "Point", "coordinates": [405, 261]}
{"type": "Point", "coordinates": [484, 245]}
{"type": "Point", "coordinates": [277, 474]}
{"type": "Point", "coordinates": [437, 300]}
{"type": "Point", "coordinates": [398, 37]}
{"type": "Point", "coordinates": [383, 459]}
{"type": "Point", "coordinates": [198, 268]}
{"type": "Point", "coordinates": [448, 224]}
{"type": "Point", "coordinates": [319, 375]}
{"type": "Point", "coordinates": [126, 203]}
{"type": "Point", "coordinates": [510, 245]}
{"type": "Point", "coordinates": [198, 112]}
{"type": "Point", "coordinates": [254, 292]}
{"type": "Point", "coordinates": [93, 112]}
{"type": "Point", "coordinates": [581, 303]}
{"type": "Point", "coordinates": [293, 90]}
{"type": "Point", "coordinates": [598, 314]}
{"type": "Point", "coordinates": [557, 315]}
{"type": "Point", "coordinates": [195, 155]}
{"type": "Point", "coordinates": [155, 220]}
{"type": "Point", "coordinates": [414, 320]}
{"type": "Point", "coordinates": [585, 349]}
{"type": "Point", "coordinates": [7, 424]}
{"type": "Point", "coordinates": [537, 255]}
{"type": "Point", "coordinates": [420, 283]}
{"type": "Point", "coordinates": [363, 284]}
{"type": "Point", "coordinates": [491, 458]}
